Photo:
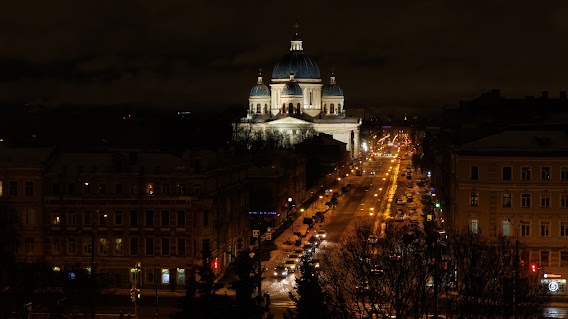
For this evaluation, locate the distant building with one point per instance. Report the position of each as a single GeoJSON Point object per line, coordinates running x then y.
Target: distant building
{"type": "Point", "coordinates": [154, 208]}
{"type": "Point", "coordinates": [298, 105]}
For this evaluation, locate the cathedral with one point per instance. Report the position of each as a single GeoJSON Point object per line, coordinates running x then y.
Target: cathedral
{"type": "Point", "coordinates": [298, 104]}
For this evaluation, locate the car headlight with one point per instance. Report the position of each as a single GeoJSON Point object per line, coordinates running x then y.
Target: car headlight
{"type": "Point", "coordinates": [323, 235]}
{"type": "Point", "coordinates": [283, 273]}
{"type": "Point", "coordinates": [275, 274]}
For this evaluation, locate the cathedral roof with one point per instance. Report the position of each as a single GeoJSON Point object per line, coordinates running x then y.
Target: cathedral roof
{"type": "Point", "coordinates": [297, 62]}
{"type": "Point", "coordinates": [332, 89]}
{"type": "Point", "coordinates": [260, 89]}
{"type": "Point", "coordinates": [292, 88]}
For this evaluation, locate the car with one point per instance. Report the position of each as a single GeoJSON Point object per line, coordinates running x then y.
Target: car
{"type": "Point", "coordinates": [321, 234]}
{"type": "Point", "coordinates": [280, 271]}
{"type": "Point", "coordinates": [296, 257]}
{"type": "Point", "coordinates": [291, 265]}
{"type": "Point", "coordinates": [409, 176]}
{"type": "Point", "coordinates": [363, 287]}
{"type": "Point", "coordinates": [314, 263]}
{"type": "Point", "coordinates": [315, 241]}
{"type": "Point", "coordinates": [403, 174]}
{"type": "Point", "coordinates": [410, 185]}
{"type": "Point", "coordinates": [335, 194]}
{"type": "Point", "coordinates": [410, 199]}
{"type": "Point", "coordinates": [376, 270]}
{"type": "Point", "coordinates": [299, 252]}
{"type": "Point", "coordinates": [344, 189]}
{"type": "Point", "coordinates": [373, 239]}
{"type": "Point", "coordinates": [400, 201]}
{"type": "Point", "coordinates": [412, 211]}
{"type": "Point", "coordinates": [372, 172]}
{"type": "Point", "coordinates": [333, 200]}
{"type": "Point", "coordinates": [309, 249]}
{"type": "Point", "coordinates": [399, 218]}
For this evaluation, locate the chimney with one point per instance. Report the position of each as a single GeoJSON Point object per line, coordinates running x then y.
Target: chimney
{"type": "Point", "coordinates": [545, 95]}
{"type": "Point", "coordinates": [563, 95]}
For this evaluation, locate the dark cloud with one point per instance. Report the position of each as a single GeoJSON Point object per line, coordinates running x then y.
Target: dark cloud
{"type": "Point", "coordinates": [185, 53]}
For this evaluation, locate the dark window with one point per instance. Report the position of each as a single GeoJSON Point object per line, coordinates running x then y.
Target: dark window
{"type": "Point", "coordinates": [564, 173]}
{"type": "Point", "coordinates": [206, 218]}
{"type": "Point", "coordinates": [181, 247]}
{"type": "Point", "coordinates": [118, 188]}
{"type": "Point", "coordinates": [71, 188]}
{"type": "Point", "coordinates": [181, 189]}
{"type": "Point", "coordinates": [507, 173]}
{"type": "Point", "coordinates": [181, 218]}
{"type": "Point", "coordinates": [13, 188]}
{"type": "Point", "coordinates": [87, 188]}
{"type": "Point", "coordinates": [165, 246]}
{"type": "Point", "coordinates": [149, 218]}
{"type": "Point", "coordinates": [545, 173]}
{"type": "Point", "coordinates": [133, 218]}
{"type": "Point", "coordinates": [103, 217]}
{"type": "Point", "coordinates": [118, 217]}
{"type": "Point", "coordinates": [55, 188]}
{"type": "Point", "coordinates": [134, 246]}
{"type": "Point", "coordinates": [29, 188]}
{"type": "Point", "coordinates": [525, 200]}
{"type": "Point", "coordinates": [165, 189]}
{"type": "Point", "coordinates": [475, 172]}
{"type": "Point", "coordinates": [165, 218]}
{"type": "Point", "coordinates": [149, 246]}
{"type": "Point", "coordinates": [102, 188]}
{"type": "Point", "coordinates": [526, 173]}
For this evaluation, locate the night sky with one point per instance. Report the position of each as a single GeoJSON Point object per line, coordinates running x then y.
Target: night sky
{"type": "Point", "coordinates": [189, 54]}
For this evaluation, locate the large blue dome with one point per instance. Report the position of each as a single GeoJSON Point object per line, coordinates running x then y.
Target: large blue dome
{"type": "Point", "coordinates": [332, 90]}
{"type": "Point", "coordinates": [292, 88]}
{"type": "Point", "coordinates": [298, 63]}
{"type": "Point", "coordinates": [260, 89]}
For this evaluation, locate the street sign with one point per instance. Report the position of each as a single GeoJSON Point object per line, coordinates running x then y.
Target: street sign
{"type": "Point", "coordinates": [268, 236]}
{"type": "Point", "coordinates": [255, 233]}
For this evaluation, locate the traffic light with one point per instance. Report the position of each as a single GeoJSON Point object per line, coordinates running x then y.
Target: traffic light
{"type": "Point", "coordinates": [522, 263]}
{"type": "Point", "coordinates": [534, 268]}
{"type": "Point", "coordinates": [215, 264]}
{"type": "Point", "coordinates": [437, 205]}
{"type": "Point", "coordinates": [133, 294]}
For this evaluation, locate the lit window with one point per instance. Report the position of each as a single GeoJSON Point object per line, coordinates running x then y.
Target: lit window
{"type": "Point", "coordinates": [165, 276]}
{"type": "Point", "coordinates": [506, 228]}
{"type": "Point", "coordinates": [118, 246]}
{"type": "Point", "coordinates": [181, 276]}
{"type": "Point", "coordinates": [474, 199]}
{"type": "Point", "coordinates": [507, 200]}
{"type": "Point", "coordinates": [103, 246]}
{"type": "Point", "coordinates": [474, 226]}
{"type": "Point", "coordinates": [150, 190]}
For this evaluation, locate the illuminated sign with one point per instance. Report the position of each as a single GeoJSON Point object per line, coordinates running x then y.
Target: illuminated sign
{"type": "Point", "coordinates": [552, 276]}
{"type": "Point", "coordinates": [263, 213]}
{"type": "Point", "coordinates": [554, 286]}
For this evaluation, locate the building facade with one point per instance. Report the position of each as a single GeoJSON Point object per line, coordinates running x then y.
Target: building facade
{"type": "Point", "coordinates": [515, 183]}
{"type": "Point", "coordinates": [113, 210]}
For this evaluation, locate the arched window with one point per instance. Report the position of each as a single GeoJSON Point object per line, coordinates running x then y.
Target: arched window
{"type": "Point", "coordinates": [325, 109]}
{"type": "Point", "coordinates": [283, 107]}
{"type": "Point", "coordinates": [291, 108]}
{"type": "Point", "coordinates": [331, 108]}
{"type": "Point", "coordinates": [258, 108]}
{"type": "Point", "coordinates": [298, 108]}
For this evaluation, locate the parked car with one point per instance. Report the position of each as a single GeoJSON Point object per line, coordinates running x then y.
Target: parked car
{"type": "Point", "coordinates": [399, 218]}
{"type": "Point", "coordinates": [291, 265]}
{"type": "Point", "coordinates": [280, 272]}
{"type": "Point", "coordinates": [400, 201]}
{"type": "Point", "coordinates": [314, 241]}
{"type": "Point", "coordinates": [372, 172]}
{"type": "Point", "coordinates": [309, 249]}
{"type": "Point", "coordinates": [315, 263]}
{"type": "Point", "coordinates": [297, 257]}
{"type": "Point", "coordinates": [412, 211]}
{"type": "Point", "coordinates": [321, 234]}
{"type": "Point", "coordinates": [373, 239]}
{"type": "Point", "coordinates": [318, 217]}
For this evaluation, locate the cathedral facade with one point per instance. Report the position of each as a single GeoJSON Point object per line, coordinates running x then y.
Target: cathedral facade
{"type": "Point", "coordinates": [298, 104]}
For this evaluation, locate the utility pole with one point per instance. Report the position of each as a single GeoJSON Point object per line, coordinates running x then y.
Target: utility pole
{"type": "Point", "coordinates": [92, 278]}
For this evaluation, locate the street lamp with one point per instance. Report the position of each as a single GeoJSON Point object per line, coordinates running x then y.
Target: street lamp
{"type": "Point", "coordinates": [139, 268]}
{"type": "Point", "coordinates": [516, 265]}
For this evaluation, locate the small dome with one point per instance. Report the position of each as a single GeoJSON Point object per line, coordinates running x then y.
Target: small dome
{"type": "Point", "coordinates": [332, 90]}
{"type": "Point", "coordinates": [260, 89]}
{"type": "Point", "coordinates": [292, 88]}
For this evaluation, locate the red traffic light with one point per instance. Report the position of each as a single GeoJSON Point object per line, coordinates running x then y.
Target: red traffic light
{"type": "Point", "coordinates": [215, 265]}
{"type": "Point", "coordinates": [533, 268]}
